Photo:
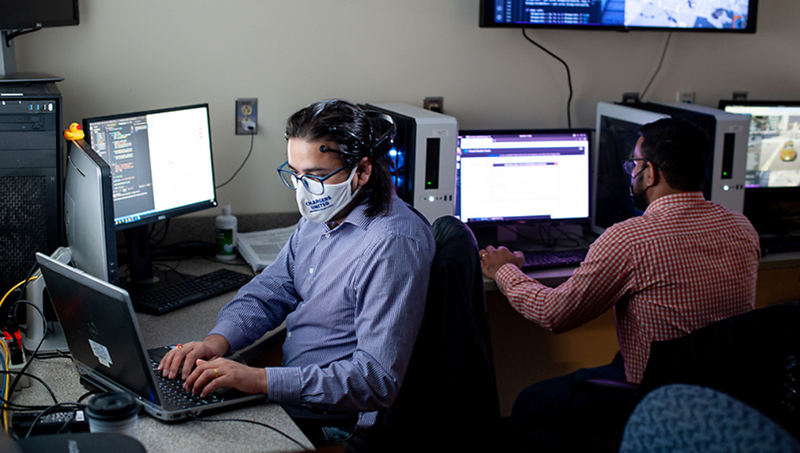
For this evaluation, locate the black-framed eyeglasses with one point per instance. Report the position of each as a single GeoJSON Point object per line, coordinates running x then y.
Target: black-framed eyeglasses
{"type": "Point", "coordinates": [629, 164]}
{"type": "Point", "coordinates": [313, 184]}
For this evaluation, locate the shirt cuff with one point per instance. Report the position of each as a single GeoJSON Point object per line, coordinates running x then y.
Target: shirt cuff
{"type": "Point", "coordinates": [506, 275]}
{"type": "Point", "coordinates": [231, 332]}
{"type": "Point", "coordinates": [283, 385]}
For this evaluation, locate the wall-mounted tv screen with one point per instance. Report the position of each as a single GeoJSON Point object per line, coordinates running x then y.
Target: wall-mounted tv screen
{"type": "Point", "coordinates": [737, 16]}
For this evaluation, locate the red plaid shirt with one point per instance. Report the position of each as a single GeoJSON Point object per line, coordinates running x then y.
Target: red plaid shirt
{"type": "Point", "coordinates": [685, 263]}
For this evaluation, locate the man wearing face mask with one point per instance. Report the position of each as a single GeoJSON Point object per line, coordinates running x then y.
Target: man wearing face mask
{"type": "Point", "coordinates": [350, 283]}
{"type": "Point", "coordinates": [683, 264]}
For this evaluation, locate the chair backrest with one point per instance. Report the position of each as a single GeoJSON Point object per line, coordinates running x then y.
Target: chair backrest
{"type": "Point", "coordinates": [449, 393]}
{"type": "Point", "coordinates": [752, 356]}
{"type": "Point", "coordinates": [682, 417]}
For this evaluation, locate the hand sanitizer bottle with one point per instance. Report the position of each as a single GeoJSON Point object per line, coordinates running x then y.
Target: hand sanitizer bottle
{"type": "Point", "coordinates": [226, 235]}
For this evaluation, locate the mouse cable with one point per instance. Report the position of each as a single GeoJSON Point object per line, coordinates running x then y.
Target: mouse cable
{"type": "Point", "coordinates": [240, 166]}
{"type": "Point", "coordinates": [241, 420]}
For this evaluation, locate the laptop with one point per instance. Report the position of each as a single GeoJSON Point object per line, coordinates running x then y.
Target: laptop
{"type": "Point", "coordinates": [106, 344]}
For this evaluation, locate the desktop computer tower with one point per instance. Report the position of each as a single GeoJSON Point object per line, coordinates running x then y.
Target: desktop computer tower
{"type": "Point", "coordinates": [424, 158]}
{"type": "Point", "coordinates": [617, 129]}
{"type": "Point", "coordinates": [30, 176]}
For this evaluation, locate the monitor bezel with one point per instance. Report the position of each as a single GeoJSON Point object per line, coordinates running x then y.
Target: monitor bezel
{"type": "Point", "coordinates": [486, 20]}
{"type": "Point", "coordinates": [33, 23]}
{"type": "Point", "coordinates": [532, 220]}
{"type": "Point", "coordinates": [170, 213]}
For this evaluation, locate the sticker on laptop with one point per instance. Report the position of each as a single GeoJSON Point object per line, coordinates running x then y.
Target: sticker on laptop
{"type": "Point", "coordinates": [101, 352]}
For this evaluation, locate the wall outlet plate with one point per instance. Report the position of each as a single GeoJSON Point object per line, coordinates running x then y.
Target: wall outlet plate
{"type": "Point", "coordinates": [247, 116]}
{"type": "Point", "coordinates": [434, 104]}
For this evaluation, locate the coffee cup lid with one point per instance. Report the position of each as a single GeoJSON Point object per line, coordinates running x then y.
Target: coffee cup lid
{"type": "Point", "coordinates": [115, 405]}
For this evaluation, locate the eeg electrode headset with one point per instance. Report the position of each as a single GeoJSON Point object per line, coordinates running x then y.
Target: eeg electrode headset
{"type": "Point", "coordinates": [356, 148]}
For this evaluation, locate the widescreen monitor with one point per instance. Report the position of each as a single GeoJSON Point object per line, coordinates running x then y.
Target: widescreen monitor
{"type": "Point", "coordinates": [523, 176]}
{"type": "Point", "coordinates": [772, 181]}
{"type": "Point", "coordinates": [161, 166]}
{"type": "Point", "coordinates": [732, 16]}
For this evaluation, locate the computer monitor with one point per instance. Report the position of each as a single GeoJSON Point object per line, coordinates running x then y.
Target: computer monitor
{"type": "Point", "coordinates": [88, 213]}
{"type": "Point", "coordinates": [772, 181]}
{"type": "Point", "coordinates": [523, 176]}
{"type": "Point", "coordinates": [615, 138]}
{"type": "Point", "coordinates": [162, 167]}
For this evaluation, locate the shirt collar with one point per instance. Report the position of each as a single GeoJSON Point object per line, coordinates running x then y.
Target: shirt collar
{"type": "Point", "coordinates": [674, 199]}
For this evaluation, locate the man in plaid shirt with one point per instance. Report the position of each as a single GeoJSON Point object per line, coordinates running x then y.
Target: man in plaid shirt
{"type": "Point", "coordinates": [684, 264]}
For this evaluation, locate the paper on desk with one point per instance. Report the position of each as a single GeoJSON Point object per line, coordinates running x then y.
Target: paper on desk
{"type": "Point", "coordinates": [261, 248]}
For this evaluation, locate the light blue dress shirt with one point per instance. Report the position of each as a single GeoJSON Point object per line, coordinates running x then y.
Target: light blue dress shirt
{"type": "Point", "coordinates": [353, 299]}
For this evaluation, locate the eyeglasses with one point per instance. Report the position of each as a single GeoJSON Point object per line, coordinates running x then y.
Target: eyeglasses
{"type": "Point", "coordinates": [629, 164]}
{"type": "Point", "coordinates": [313, 184]}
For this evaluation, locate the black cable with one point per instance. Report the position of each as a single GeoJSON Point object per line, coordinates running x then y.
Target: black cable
{"type": "Point", "coordinates": [22, 373]}
{"type": "Point", "coordinates": [241, 420]}
{"type": "Point", "coordinates": [658, 69]}
{"type": "Point", "coordinates": [19, 32]}
{"type": "Point", "coordinates": [50, 409]}
{"type": "Point", "coordinates": [569, 76]}
{"type": "Point", "coordinates": [39, 346]}
{"type": "Point", "coordinates": [240, 166]}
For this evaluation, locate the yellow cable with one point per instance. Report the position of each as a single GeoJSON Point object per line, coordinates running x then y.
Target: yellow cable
{"type": "Point", "coordinates": [6, 355]}
{"type": "Point", "coordinates": [15, 287]}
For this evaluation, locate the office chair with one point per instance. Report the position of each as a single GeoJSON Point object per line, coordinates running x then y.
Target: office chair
{"type": "Point", "coordinates": [689, 418]}
{"type": "Point", "coordinates": [448, 400]}
{"type": "Point", "coordinates": [752, 357]}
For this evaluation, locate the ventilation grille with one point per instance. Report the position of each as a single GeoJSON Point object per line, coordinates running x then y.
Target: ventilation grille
{"type": "Point", "coordinates": [23, 226]}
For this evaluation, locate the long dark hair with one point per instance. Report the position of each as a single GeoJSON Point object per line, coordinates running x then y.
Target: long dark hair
{"type": "Point", "coordinates": [356, 137]}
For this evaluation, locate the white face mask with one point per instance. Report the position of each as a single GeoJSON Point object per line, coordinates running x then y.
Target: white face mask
{"type": "Point", "coordinates": [322, 208]}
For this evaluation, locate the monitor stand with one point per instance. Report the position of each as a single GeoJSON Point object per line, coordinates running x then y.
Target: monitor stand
{"type": "Point", "coordinates": [8, 65]}
{"type": "Point", "coordinates": [41, 337]}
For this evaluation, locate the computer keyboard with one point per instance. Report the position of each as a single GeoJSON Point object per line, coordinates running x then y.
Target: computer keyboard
{"type": "Point", "coordinates": [543, 259]}
{"type": "Point", "coordinates": [189, 291]}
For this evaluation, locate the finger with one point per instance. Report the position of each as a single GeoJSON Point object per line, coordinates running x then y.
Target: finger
{"type": "Point", "coordinates": [171, 362]}
{"type": "Point", "coordinates": [191, 379]}
{"type": "Point", "coordinates": [216, 379]}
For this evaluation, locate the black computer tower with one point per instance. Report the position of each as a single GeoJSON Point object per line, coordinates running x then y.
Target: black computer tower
{"type": "Point", "coordinates": [31, 166]}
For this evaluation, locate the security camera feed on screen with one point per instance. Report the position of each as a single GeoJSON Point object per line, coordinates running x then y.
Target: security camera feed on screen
{"type": "Point", "coordinates": [772, 146]}
{"type": "Point", "coordinates": [681, 14]}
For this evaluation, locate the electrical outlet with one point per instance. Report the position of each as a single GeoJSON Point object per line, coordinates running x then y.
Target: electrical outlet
{"type": "Point", "coordinates": [434, 104]}
{"type": "Point", "coordinates": [740, 95]}
{"type": "Point", "coordinates": [247, 116]}
{"type": "Point", "coordinates": [686, 97]}
{"type": "Point", "coordinates": [630, 97]}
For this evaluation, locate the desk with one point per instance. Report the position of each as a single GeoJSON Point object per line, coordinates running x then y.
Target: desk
{"type": "Point", "coordinates": [525, 353]}
{"type": "Point", "coordinates": [181, 326]}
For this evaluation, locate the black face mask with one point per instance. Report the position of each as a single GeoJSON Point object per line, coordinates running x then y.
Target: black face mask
{"type": "Point", "coordinates": [639, 199]}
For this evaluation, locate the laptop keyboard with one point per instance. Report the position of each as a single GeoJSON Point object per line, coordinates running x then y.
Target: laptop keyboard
{"type": "Point", "coordinates": [544, 259]}
{"type": "Point", "coordinates": [189, 291]}
{"type": "Point", "coordinates": [174, 393]}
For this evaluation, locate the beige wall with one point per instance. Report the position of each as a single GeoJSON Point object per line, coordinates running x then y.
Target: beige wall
{"type": "Point", "coordinates": [144, 54]}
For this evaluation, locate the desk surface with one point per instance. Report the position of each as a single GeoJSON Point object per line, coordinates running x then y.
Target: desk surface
{"type": "Point", "coordinates": [181, 326]}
